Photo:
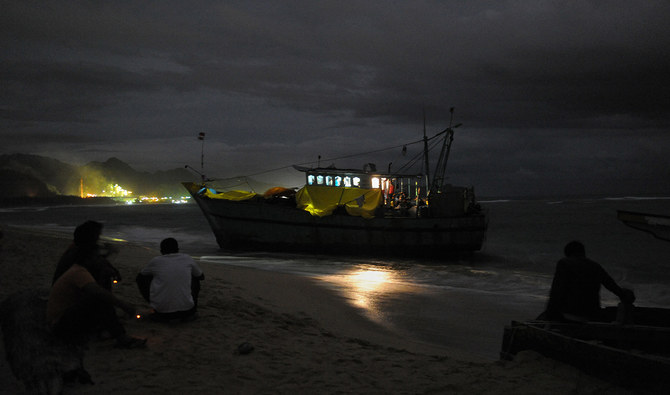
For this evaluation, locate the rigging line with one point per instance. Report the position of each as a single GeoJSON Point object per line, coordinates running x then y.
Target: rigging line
{"type": "Point", "coordinates": [418, 156]}
{"type": "Point", "coordinates": [341, 157]}
{"type": "Point", "coordinates": [237, 182]}
{"type": "Point", "coordinates": [410, 163]}
{"type": "Point", "coordinates": [369, 152]}
{"type": "Point", "coordinates": [329, 159]}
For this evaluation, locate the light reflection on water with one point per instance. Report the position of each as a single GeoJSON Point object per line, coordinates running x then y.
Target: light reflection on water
{"type": "Point", "coordinates": [362, 286]}
{"type": "Point", "coordinates": [368, 286]}
{"type": "Point", "coordinates": [377, 291]}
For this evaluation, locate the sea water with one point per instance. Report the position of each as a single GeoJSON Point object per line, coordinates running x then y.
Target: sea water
{"type": "Point", "coordinates": [438, 301]}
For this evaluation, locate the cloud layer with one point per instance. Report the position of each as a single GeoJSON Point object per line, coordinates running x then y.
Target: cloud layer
{"type": "Point", "coordinates": [554, 97]}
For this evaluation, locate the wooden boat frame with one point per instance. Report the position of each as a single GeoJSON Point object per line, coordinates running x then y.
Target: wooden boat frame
{"type": "Point", "coordinates": [631, 355]}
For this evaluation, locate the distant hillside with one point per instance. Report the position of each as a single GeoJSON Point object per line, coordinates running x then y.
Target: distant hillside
{"type": "Point", "coordinates": [23, 175]}
{"type": "Point", "coordinates": [15, 184]}
{"type": "Point", "coordinates": [58, 177]}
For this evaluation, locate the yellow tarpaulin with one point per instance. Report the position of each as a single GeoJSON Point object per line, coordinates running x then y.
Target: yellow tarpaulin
{"type": "Point", "coordinates": [229, 195]}
{"type": "Point", "coordinates": [323, 200]}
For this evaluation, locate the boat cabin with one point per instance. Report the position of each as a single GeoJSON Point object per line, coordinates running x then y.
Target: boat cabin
{"type": "Point", "coordinates": [411, 186]}
{"type": "Point", "coordinates": [400, 191]}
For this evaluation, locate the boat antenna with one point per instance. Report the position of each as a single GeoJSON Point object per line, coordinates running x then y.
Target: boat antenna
{"type": "Point", "coordinates": [201, 137]}
{"type": "Point", "coordinates": [201, 173]}
{"type": "Point", "coordinates": [425, 148]}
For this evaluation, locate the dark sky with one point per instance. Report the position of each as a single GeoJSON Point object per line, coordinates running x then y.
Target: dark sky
{"type": "Point", "coordinates": [555, 97]}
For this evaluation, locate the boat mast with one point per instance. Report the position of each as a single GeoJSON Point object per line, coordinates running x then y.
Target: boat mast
{"type": "Point", "coordinates": [201, 137]}
{"type": "Point", "coordinates": [441, 167]}
{"type": "Point", "coordinates": [425, 148]}
{"type": "Point", "coordinates": [201, 173]}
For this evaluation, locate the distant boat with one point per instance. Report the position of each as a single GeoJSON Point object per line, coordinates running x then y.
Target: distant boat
{"type": "Point", "coordinates": [350, 212]}
{"type": "Point", "coordinates": [657, 225]}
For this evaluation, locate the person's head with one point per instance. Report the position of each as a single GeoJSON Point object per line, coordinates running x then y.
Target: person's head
{"type": "Point", "coordinates": [574, 249]}
{"type": "Point", "coordinates": [87, 234]}
{"type": "Point", "coordinates": [169, 246]}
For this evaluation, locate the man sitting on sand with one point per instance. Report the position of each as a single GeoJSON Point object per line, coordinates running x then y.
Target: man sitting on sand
{"type": "Point", "coordinates": [575, 290]}
{"type": "Point", "coordinates": [171, 283]}
{"type": "Point", "coordinates": [79, 306]}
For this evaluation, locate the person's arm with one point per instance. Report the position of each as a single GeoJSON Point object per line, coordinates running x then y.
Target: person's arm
{"type": "Point", "coordinates": [196, 272]}
{"type": "Point", "coordinates": [107, 270]}
{"type": "Point", "coordinates": [94, 290]}
{"type": "Point", "coordinates": [144, 285]}
{"type": "Point", "coordinates": [625, 295]}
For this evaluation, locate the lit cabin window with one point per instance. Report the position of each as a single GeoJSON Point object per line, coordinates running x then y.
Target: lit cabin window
{"type": "Point", "coordinates": [347, 182]}
{"type": "Point", "coordinates": [357, 181]}
{"type": "Point", "coordinates": [310, 179]}
{"type": "Point", "coordinates": [338, 181]}
{"type": "Point", "coordinates": [329, 181]}
{"type": "Point", "coordinates": [375, 182]}
{"type": "Point", "coordinates": [319, 179]}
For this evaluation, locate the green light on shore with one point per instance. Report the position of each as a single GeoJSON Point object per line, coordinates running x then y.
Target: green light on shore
{"type": "Point", "coordinates": [154, 200]}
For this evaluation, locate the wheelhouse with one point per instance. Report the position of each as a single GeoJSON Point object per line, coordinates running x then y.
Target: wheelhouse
{"type": "Point", "coordinates": [410, 186]}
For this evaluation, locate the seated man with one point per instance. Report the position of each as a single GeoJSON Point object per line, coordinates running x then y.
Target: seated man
{"type": "Point", "coordinates": [575, 290]}
{"type": "Point", "coordinates": [171, 283]}
{"type": "Point", "coordinates": [78, 306]}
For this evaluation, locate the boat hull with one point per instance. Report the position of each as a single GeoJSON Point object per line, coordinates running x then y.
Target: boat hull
{"type": "Point", "coordinates": [657, 225]}
{"type": "Point", "coordinates": [633, 355]}
{"type": "Point", "coordinates": [258, 225]}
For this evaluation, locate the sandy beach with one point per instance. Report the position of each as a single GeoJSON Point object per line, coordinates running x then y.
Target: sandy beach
{"type": "Point", "coordinates": [306, 339]}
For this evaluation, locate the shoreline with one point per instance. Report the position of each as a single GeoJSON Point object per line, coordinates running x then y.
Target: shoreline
{"type": "Point", "coordinates": [307, 339]}
{"type": "Point", "coordinates": [302, 295]}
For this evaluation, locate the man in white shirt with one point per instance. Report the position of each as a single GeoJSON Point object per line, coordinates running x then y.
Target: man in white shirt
{"type": "Point", "coordinates": [171, 283]}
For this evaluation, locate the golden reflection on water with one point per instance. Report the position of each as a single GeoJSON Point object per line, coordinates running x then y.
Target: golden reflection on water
{"type": "Point", "coordinates": [367, 287]}
{"type": "Point", "coordinates": [364, 283]}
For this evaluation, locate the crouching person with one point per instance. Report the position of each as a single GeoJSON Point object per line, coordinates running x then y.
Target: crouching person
{"type": "Point", "coordinates": [171, 283]}
{"type": "Point", "coordinates": [78, 307]}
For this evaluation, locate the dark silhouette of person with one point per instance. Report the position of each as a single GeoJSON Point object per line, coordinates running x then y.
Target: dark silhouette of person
{"type": "Point", "coordinates": [575, 290]}
{"type": "Point", "coordinates": [85, 249]}
{"type": "Point", "coordinates": [79, 307]}
{"type": "Point", "coordinates": [80, 301]}
{"type": "Point", "coordinates": [171, 283]}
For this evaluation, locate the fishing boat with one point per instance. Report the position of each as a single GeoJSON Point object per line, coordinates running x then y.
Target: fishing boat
{"type": "Point", "coordinates": [655, 224]}
{"type": "Point", "coordinates": [351, 212]}
{"type": "Point", "coordinates": [632, 352]}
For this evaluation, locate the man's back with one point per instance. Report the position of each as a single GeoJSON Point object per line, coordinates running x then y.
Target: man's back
{"type": "Point", "coordinates": [575, 290]}
{"type": "Point", "coordinates": [576, 286]}
{"type": "Point", "coordinates": [171, 284]}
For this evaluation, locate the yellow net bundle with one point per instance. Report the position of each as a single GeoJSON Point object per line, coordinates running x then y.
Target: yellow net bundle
{"type": "Point", "coordinates": [323, 200]}
{"type": "Point", "coordinates": [229, 195]}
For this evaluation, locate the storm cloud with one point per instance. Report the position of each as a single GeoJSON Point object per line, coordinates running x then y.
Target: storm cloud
{"type": "Point", "coordinates": [556, 98]}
